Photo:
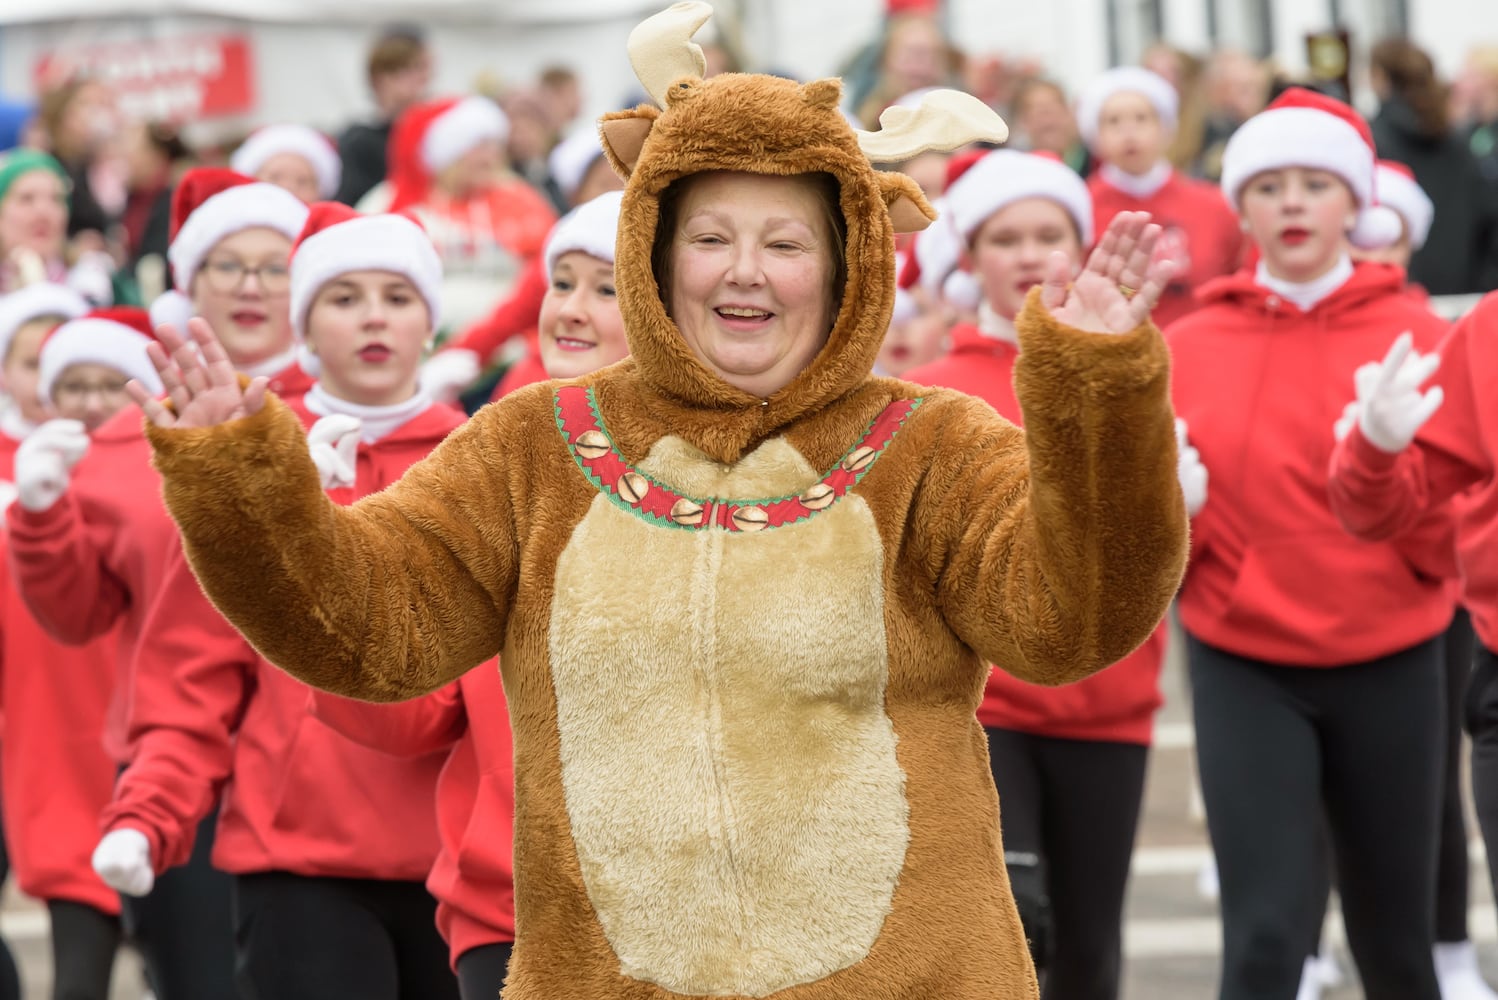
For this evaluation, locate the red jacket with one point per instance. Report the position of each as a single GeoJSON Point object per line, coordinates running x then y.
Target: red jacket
{"type": "Point", "coordinates": [297, 797]}
{"type": "Point", "coordinates": [1116, 705]}
{"type": "Point", "coordinates": [1273, 576]}
{"type": "Point", "coordinates": [94, 559]}
{"type": "Point", "coordinates": [516, 315]}
{"type": "Point", "coordinates": [1378, 495]}
{"type": "Point", "coordinates": [473, 878]}
{"type": "Point", "coordinates": [1201, 233]}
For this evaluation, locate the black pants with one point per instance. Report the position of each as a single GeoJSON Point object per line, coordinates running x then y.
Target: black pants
{"type": "Point", "coordinates": [481, 970]}
{"type": "Point", "coordinates": [184, 928]}
{"type": "Point", "coordinates": [1481, 716]}
{"type": "Point", "coordinates": [1069, 811]}
{"type": "Point", "coordinates": [84, 941]}
{"type": "Point", "coordinates": [1278, 747]}
{"type": "Point", "coordinates": [303, 938]}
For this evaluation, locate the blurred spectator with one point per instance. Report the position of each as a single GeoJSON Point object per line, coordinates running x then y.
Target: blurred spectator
{"type": "Point", "coordinates": [294, 157]}
{"type": "Point", "coordinates": [1478, 114]}
{"type": "Point", "coordinates": [913, 54]}
{"type": "Point", "coordinates": [1044, 123]}
{"type": "Point", "coordinates": [531, 135]}
{"type": "Point", "coordinates": [399, 72]}
{"type": "Point", "coordinates": [1237, 88]}
{"type": "Point", "coordinates": [156, 156]}
{"type": "Point", "coordinates": [579, 170]}
{"type": "Point", "coordinates": [33, 219]}
{"type": "Point", "coordinates": [79, 119]}
{"type": "Point", "coordinates": [1413, 127]}
{"type": "Point", "coordinates": [561, 95]}
{"type": "Point", "coordinates": [1186, 73]}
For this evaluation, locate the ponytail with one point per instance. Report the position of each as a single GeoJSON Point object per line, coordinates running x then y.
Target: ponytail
{"type": "Point", "coordinates": [1412, 77]}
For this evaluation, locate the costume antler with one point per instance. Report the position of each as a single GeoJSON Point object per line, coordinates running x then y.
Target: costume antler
{"type": "Point", "coordinates": [661, 47]}
{"type": "Point", "coordinates": [945, 119]}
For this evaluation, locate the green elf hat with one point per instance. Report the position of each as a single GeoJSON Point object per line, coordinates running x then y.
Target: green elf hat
{"type": "Point", "coordinates": [18, 162]}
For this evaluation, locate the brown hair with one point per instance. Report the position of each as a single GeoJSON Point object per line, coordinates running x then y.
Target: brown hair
{"type": "Point", "coordinates": [830, 197]}
{"type": "Point", "coordinates": [557, 77]}
{"type": "Point", "coordinates": [397, 50]}
{"type": "Point", "coordinates": [53, 108]}
{"type": "Point", "coordinates": [1412, 76]}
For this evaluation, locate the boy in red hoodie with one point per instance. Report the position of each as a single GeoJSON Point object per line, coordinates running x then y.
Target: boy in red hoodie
{"type": "Point", "coordinates": [1128, 117]}
{"type": "Point", "coordinates": [1069, 762]}
{"type": "Point", "coordinates": [328, 899]}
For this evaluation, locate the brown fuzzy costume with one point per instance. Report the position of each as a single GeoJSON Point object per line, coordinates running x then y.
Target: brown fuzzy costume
{"type": "Point", "coordinates": [747, 762]}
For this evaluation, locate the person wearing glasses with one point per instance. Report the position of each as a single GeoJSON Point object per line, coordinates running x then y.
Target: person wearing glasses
{"type": "Point", "coordinates": [89, 550]}
{"type": "Point", "coordinates": [55, 697]}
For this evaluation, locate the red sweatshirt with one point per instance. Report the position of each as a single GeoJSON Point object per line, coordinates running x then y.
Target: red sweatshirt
{"type": "Point", "coordinates": [95, 559]}
{"type": "Point", "coordinates": [1201, 234]}
{"type": "Point", "coordinates": [208, 711]}
{"type": "Point", "coordinates": [1116, 705]}
{"type": "Point", "coordinates": [1273, 576]}
{"type": "Point", "coordinates": [1378, 495]}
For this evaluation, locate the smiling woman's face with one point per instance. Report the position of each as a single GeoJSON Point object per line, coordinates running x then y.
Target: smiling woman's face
{"type": "Point", "coordinates": [581, 329]}
{"type": "Point", "coordinates": [750, 283]}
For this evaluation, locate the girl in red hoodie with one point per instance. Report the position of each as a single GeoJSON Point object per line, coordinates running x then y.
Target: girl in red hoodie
{"type": "Point", "coordinates": [328, 841]}
{"type": "Point", "coordinates": [1315, 658]}
{"type": "Point", "coordinates": [473, 878]}
{"type": "Point", "coordinates": [88, 551]}
{"type": "Point", "coordinates": [1069, 762]}
{"type": "Point", "coordinates": [54, 773]}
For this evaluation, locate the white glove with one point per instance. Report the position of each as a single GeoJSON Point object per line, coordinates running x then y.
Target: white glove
{"type": "Point", "coordinates": [123, 861]}
{"type": "Point", "coordinates": [448, 372]}
{"type": "Point", "coordinates": [1190, 471]}
{"type": "Point", "coordinates": [1392, 409]}
{"type": "Point", "coordinates": [90, 277]}
{"type": "Point", "coordinates": [44, 460]}
{"type": "Point", "coordinates": [1349, 418]}
{"type": "Point", "coordinates": [334, 444]}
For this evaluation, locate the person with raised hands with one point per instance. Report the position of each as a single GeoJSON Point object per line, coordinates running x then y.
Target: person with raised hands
{"type": "Point", "coordinates": [55, 776]}
{"type": "Point", "coordinates": [90, 557]}
{"type": "Point", "coordinates": [1314, 658]}
{"type": "Point", "coordinates": [328, 893]}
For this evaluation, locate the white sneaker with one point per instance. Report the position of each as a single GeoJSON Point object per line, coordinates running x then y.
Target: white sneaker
{"type": "Point", "coordinates": [1207, 885]}
{"type": "Point", "coordinates": [1310, 982]}
{"type": "Point", "coordinates": [1457, 971]}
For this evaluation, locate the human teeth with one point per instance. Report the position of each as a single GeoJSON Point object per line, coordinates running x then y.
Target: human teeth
{"type": "Point", "coordinates": [745, 313]}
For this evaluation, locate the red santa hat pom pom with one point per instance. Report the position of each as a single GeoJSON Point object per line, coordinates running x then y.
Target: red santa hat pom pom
{"type": "Point", "coordinates": [572, 158]}
{"type": "Point", "coordinates": [432, 136]}
{"type": "Point", "coordinates": [338, 240]}
{"type": "Point", "coordinates": [1125, 80]}
{"type": "Point", "coordinates": [33, 302]}
{"type": "Point", "coordinates": [591, 227]}
{"type": "Point", "coordinates": [211, 204]}
{"type": "Point", "coordinates": [171, 308]}
{"type": "Point", "coordinates": [298, 140]}
{"type": "Point", "coordinates": [116, 337]}
{"type": "Point", "coordinates": [1005, 176]}
{"type": "Point", "coordinates": [1398, 190]}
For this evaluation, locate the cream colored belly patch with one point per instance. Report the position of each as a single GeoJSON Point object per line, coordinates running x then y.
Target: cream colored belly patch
{"type": "Point", "coordinates": [728, 766]}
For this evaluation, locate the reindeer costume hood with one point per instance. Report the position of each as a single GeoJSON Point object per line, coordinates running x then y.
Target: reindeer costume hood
{"type": "Point", "coordinates": [742, 640]}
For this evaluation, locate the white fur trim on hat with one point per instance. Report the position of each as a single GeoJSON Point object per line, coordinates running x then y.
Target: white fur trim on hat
{"type": "Point", "coordinates": [33, 302]}
{"type": "Point", "coordinates": [1402, 194]}
{"type": "Point", "coordinates": [938, 249]}
{"type": "Point", "coordinates": [461, 127]}
{"type": "Point", "coordinates": [572, 158]}
{"type": "Point", "coordinates": [92, 340]}
{"type": "Point", "coordinates": [232, 210]}
{"type": "Point", "coordinates": [1124, 80]}
{"type": "Point", "coordinates": [1006, 176]}
{"type": "Point", "coordinates": [369, 243]}
{"type": "Point", "coordinates": [171, 308]}
{"type": "Point", "coordinates": [962, 290]}
{"type": "Point", "coordinates": [905, 310]}
{"type": "Point", "coordinates": [1297, 137]}
{"type": "Point", "coordinates": [310, 145]}
{"type": "Point", "coordinates": [591, 227]}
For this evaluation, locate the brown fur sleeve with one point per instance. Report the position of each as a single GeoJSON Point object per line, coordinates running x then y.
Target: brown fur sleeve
{"type": "Point", "coordinates": [1056, 551]}
{"type": "Point", "coordinates": [387, 599]}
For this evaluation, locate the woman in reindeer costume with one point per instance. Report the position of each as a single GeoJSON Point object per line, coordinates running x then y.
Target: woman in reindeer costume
{"type": "Point", "coordinates": [744, 591]}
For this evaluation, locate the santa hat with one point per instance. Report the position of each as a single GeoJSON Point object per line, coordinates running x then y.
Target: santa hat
{"type": "Point", "coordinates": [33, 302]}
{"type": "Point", "coordinates": [1398, 190]}
{"type": "Point", "coordinates": [1005, 176]}
{"type": "Point", "coordinates": [338, 240]}
{"type": "Point", "coordinates": [591, 227]}
{"type": "Point", "coordinates": [310, 145]}
{"type": "Point", "coordinates": [432, 136]}
{"type": "Point", "coordinates": [171, 308]}
{"type": "Point", "coordinates": [572, 158]}
{"type": "Point", "coordinates": [211, 203]}
{"type": "Point", "coordinates": [1125, 80]}
{"type": "Point", "coordinates": [1302, 128]}
{"type": "Point", "coordinates": [935, 261]}
{"type": "Point", "coordinates": [116, 337]}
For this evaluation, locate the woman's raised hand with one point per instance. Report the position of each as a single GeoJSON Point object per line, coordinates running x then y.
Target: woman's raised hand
{"type": "Point", "coordinates": [1120, 284]}
{"type": "Point", "coordinates": [200, 380]}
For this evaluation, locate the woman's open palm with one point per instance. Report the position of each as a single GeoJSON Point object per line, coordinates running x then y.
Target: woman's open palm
{"type": "Point", "coordinates": [1121, 283]}
{"type": "Point", "coordinates": [200, 381]}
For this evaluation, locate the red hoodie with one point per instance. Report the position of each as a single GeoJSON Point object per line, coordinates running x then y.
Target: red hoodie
{"type": "Point", "coordinates": [1116, 705]}
{"type": "Point", "coordinates": [1378, 495]}
{"type": "Point", "coordinates": [1201, 234]}
{"type": "Point", "coordinates": [208, 711]}
{"type": "Point", "coordinates": [96, 558]}
{"type": "Point", "coordinates": [1273, 577]}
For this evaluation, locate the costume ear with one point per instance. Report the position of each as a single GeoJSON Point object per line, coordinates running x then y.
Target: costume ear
{"type": "Point", "coordinates": [909, 211]}
{"type": "Point", "coordinates": [623, 136]}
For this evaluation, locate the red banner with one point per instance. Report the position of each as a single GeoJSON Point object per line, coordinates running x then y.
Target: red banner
{"type": "Point", "coordinates": [164, 79]}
